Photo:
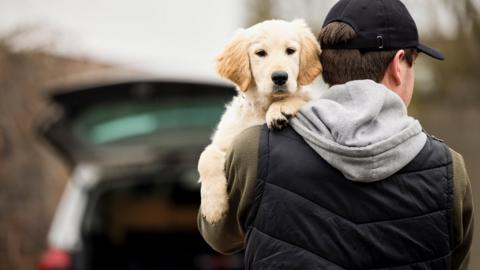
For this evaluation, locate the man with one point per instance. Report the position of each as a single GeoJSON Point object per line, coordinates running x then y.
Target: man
{"type": "Point", "coordinates": [354, 183]}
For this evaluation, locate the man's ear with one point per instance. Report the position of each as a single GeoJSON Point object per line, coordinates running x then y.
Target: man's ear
{"type": "Point", "coordinates": [393, 72]}
{"type": "Point", "coordinates": [310, 66]}
{"type": "Point", "coordinates": [234, 64]}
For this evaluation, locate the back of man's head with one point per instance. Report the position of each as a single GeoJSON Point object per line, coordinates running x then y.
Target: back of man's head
{"type": "Point", "coordinates": [343, 65]}
{"type": "Point", "coordinates": [360, 38]}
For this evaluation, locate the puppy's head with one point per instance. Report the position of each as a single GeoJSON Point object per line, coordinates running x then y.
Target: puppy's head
{"type": "Point", "coordinates": [274, 57]}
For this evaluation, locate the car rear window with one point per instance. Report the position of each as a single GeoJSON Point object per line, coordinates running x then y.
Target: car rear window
{"type": "Point", "coordinates": [160, 123]}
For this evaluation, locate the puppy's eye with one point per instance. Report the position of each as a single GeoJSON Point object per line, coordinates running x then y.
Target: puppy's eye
{"type": "Point", "coordinates": [290, 51]}
{"type": "Point", "coordinates": [261, 53]}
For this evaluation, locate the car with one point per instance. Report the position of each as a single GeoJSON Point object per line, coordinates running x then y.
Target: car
{"type": "Point", "coordinates": [133, 196]}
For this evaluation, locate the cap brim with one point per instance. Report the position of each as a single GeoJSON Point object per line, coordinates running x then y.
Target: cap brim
{"type": "Point", "coordinates": [431, 52]}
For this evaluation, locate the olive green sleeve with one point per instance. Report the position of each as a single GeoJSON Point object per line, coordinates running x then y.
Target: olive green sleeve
{"type": "Point", "coordinates": [227, 236]}
{"type": "Point", "coordinates": [462, 213]}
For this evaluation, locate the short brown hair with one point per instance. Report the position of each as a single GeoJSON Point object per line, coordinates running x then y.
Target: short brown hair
{"type": "Point", "coordinates": [342, 66]}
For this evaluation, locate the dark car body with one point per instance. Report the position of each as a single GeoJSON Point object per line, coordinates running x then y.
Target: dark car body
{"type": "Point", "coordinates": [133, 197]}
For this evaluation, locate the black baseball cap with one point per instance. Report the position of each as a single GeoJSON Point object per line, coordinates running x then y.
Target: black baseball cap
{"type": "Point", "coordinates": [380, 25]}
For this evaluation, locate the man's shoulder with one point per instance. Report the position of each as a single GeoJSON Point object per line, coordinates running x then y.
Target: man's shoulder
{"type": "Point", "coordinates": [243, 153]}
{"type": "Point", "coordinates": [460, 175]}
{"type": "Point", "coordinates": [246, 142]}
{"type": "Point", "coordinates": [456, 155]}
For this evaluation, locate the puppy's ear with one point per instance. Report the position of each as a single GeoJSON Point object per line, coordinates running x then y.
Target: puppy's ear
{"type": "Point", "coordinates": [310, 66]}
{"type": "Point", "coordinates": [234, 64]}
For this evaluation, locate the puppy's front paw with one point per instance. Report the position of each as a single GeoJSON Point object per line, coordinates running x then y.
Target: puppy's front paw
{"type": "Point", "coordinates": [280, 111]}
{"type": "Point", "coordinates": [275, 118]}
{"type": "Point", "coordinates": [291, 108]}
{"type": "Point", "coordinates": [214, 204]}
{"type": "Point", "coordinates": [278, 123]}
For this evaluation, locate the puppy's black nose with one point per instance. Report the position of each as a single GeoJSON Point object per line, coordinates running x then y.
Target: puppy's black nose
{"type": "Point", "coordinates": [279, 77]}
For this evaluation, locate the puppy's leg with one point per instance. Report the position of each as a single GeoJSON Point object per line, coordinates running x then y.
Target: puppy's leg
{"type": "Point", "coordinates": [214, 198]}
{"type": "Point", "coordinates": [211, 166]}
{"type": "Point", "coordinates": [280, 111]}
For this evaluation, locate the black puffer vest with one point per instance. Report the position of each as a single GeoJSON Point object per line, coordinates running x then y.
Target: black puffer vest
{"type": "Point", "coordinates": [307, 215]}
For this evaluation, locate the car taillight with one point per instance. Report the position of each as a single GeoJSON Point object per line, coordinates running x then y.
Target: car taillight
{"type": "Point", "coordinates": [54, 259]}
{"type": "Point", "coordinates": [219, 262]}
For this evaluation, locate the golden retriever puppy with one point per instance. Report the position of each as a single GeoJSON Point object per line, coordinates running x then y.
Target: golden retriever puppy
{"type": "Point", "coordinates": [268, 62]}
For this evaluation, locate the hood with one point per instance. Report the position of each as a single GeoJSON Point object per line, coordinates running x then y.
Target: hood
{"type": "Point", "coordinates": [362, 129]}
{"type": "Point", "coordinates": [134, 121]}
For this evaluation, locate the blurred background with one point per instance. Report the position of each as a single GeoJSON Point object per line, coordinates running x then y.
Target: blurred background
{"type": "Point", "coordinates": [65, 45]}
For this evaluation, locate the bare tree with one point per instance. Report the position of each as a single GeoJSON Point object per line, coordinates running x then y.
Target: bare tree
{"type": "Point", "coordinates": [259, 11]}
{"type": "Point", "coordinates": [313, 11]}
{"type": "Point", "coordinates": [468, 16]}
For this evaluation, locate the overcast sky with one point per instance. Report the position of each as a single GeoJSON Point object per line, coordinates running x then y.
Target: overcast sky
{"type": "Point", "coordinates": [164, 37]}
{"type": "Point", "coordinates": [161, 37]}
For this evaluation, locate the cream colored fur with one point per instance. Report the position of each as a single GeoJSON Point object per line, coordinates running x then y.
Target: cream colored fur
{"type": "Point", "coordinates": [244, 63]}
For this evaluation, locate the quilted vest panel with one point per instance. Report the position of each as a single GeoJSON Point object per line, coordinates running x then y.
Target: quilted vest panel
{"type": "Point", "coordinates": [307, 215]}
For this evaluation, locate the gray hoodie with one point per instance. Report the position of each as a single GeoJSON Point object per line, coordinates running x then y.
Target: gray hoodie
{"type": "Point", "coordinates": [362, 129]}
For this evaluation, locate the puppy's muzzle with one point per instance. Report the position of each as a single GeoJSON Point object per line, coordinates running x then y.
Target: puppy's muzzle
{"type": "Point", "coordinates": [279, 77]}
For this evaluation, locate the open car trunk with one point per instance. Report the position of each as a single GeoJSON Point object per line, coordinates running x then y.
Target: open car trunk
{"type": "Point", "coordinates": [147, 220]}
{"type": "Point", "coordinates": [145, 139]}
